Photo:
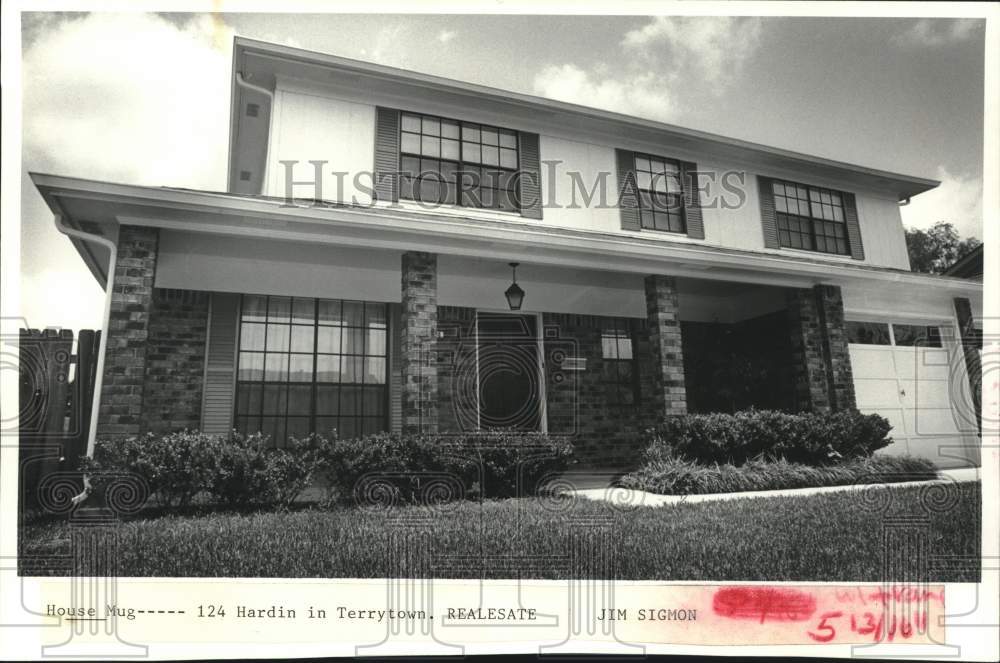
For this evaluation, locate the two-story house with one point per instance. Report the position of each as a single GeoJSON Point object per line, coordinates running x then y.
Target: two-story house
{"type": "Point", "coordinates": [356, 275]}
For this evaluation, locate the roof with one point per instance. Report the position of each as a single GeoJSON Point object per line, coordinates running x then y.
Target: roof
{"type": "Point", "coordinates": [106, 204]}
{"type": "Point", "coordinates": [969, 266]}
{"type": "Point", "coordinates": [260, 62]}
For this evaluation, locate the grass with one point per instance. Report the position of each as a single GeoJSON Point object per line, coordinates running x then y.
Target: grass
{"type": "Point", "coordinates": [682, 477]}
{"type": "Point", "coordinates": [827, 537]}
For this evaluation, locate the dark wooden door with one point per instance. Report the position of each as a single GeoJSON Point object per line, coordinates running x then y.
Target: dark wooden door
{"type": "Point", "coordinates": [509, 389]}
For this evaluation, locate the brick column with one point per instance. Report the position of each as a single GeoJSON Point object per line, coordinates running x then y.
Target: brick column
{"type": "Point", "coordinates": [970, 352]}
{"type": "Point", "coordinates": [821, 362]}
{"type": "Point", "coordinates": [120, 411]}
{"type": "Point", "coordinates": [664, 329]}
{"type": "Point", "coordinates": [418, 347]}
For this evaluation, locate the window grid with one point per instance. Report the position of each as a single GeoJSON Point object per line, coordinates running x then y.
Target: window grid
{"type": "Point", "coordinates": [452, 162]}
{"type": "Point", "coordinates": [810, 218]}
{"type": "Point", "coordinates": [311, 365]}
{"type": "Point", "coordinates": [894, 334]}
{"type": "Point", "coordinates": [618, 367]}
{"type": "Point", "coordinates": [660, 194]}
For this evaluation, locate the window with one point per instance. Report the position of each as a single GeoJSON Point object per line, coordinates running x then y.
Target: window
{"type": "Point", "coordinates": [660, 194]}
{"type": "Point", "coordinates": [911, 335]}
{"type": "Point", "coordinates": [311, 365]}
{"type": "Point", "coordinates": [877, 333]}
{"type": "Point", "coordinates": [868, 333]}
{"type": "Point", "coordinates": [618, 367]}
{"type": "Point", "coordinates": [457, 163]}
{"type": "Point", "coordinates": [810, 218]}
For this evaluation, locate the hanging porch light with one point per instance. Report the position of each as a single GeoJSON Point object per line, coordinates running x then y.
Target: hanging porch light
{"type": "Point", "coordinates": [514, 294]}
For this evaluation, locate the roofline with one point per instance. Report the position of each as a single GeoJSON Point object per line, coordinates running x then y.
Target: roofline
{"type": "Point", "coordinates": [243, 45]}
{"type": "Point", "coordinates": [964, 260]}
{"type": "Point", "coordinates": [55, 187]}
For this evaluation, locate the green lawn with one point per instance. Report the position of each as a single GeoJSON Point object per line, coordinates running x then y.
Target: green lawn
{"type": "Point", "coordinates": [832, 537]}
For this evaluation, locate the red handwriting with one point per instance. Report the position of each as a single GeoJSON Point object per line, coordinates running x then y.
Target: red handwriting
{"type": "Point", "coordinates": [879, 625]}
{"type": "Point", "coordinates": [901, 594]}
{"type": "Point", "coordinates": [763, 603]}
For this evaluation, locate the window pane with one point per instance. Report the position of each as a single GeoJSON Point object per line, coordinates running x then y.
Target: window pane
{"type": "Point", "coordinates": [450, 149]}
{"type": "Point", "coordinates": [374, 370]}
{"type": "Point", "coordinates": [327, 400]}
{"type": "Point", "coordinates": [432, 126]}
{"type": "Point", "coordinates": [470, 152]}
{"type": "Point", "coordinates": [374, 401]}
{"type": "Point", "coordinates": [449, 129]}
{"type": "Point", "coordinates": [489, 136]}
{"type": "Point", "coordinates": [275, 399]}
{"type": "Point", "coordinates": [641, 163]}
{"type": "Point", "coordinates": [252, 336]}
{"type": "Point", "coordinates": [279, 309]}
{"type": "Point", "coordinates": [376, 343]}
{"type": "Point", "coordinates": [409, 143]}
{"type": "Point", "coordinates": [625, 347]}
{"type": "Point", "coordinates": [354, 313]}
{"type": "Point", "coordinates": [300, 399]}
{"type": "Point", "coordinates": [329, 311]}
{"type": "Point", "coordinates": [354, 341]}
{"type": "Point", "coordinates": [508, 158]}
{"type": "Point", "coordinates": [328, 339]}
{"type": "Point", "coordinates": [470, 132]}
{"type": "Point", "coordinates": [411, 123]}
{"type": "Point", "coordinates": [916, 335]}
{"type": "Point", "coordinates": [430, 146]}
{"type": "Point", "coordinates": [277, 338]}
{"type": "Point", "coordinates": [508, 139]}
{"type": "Point", "coordinates": [254, 308]}
{"type": "Point", "coordinates": [300, 368]}
{"type": "Point", "coordinates": [375, 315]}
{"type": "Point", "coordinates": [297, 427]}
{"type": "Point", "coordinates": [302, 338]}
{"type": "Point", "coordinates": [251, 366]}
{"type": "Point", "coordinates": [609, 346]}
{"type": "Point", "coordinates": [643, 180]}
{"type": "Point", "coordinates": [491, 155]}
{"type": "Point", "coordinates": [248, 398]}
{"type": "Point", "coordinates": [303, 310]}
{"type": "Point", "coordinates": [276, 368]}
{"type": "Point", "coordinates": [328, 368]}
{"type": "Point", "coordinates": [352, 369]}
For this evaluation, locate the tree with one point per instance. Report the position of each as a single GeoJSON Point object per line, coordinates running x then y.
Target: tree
{"type": "Point", "coordinates": [934, 250]}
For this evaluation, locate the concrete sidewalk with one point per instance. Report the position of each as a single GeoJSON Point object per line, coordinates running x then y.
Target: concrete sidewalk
{"type": "Point", "coordinates": [630, 497]}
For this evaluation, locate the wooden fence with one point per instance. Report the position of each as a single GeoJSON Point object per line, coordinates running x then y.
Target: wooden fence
{"type": "Point", "coordinates": [56, 397]}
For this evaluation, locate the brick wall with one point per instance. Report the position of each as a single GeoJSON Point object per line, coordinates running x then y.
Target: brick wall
{"type": "Point", "coordinates": [418, 342]}
{"type": "Point", "coordinates": [604, 434]}
{"type": "Point", "coordinates": [120, 411]}
{"type": "Point", "coordinates": [175, 360]}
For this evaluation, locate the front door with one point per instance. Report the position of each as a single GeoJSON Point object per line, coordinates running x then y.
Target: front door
{"type": "Point", "coordinates": [509, 385]}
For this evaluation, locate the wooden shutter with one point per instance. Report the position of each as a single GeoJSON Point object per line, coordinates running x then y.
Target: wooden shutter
{"type": "Point", "coordinates": [530, 179]}
{"type": "Point", "coordinates": [692, 200]}
{"type": "Point", "coordinates": [767, 218]}
{"type": "Point", "coordinates": [220, 364]}
{"type": "Point", "coordinates": [386, 154]}
{"type": "Point", "coordinates": [627, 202]}
{"type": "Point", "coordinates": [853, 228]}
{"type": "Point", "coordinates": [395, 368]}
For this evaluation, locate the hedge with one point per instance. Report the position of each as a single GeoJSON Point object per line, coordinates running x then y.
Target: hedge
{"type": "Point", "coordinates": [809, 438]}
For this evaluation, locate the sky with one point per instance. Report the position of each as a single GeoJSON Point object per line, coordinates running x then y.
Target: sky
{"type": "Point", "coordinates": [144, 98]}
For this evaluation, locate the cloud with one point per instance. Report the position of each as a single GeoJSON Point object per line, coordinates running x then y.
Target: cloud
{"type": "Point", "coordinates": [938, 32]}
{"type": "Point", "coordinates": [157, 116]}
{"type": "Point", "coordinates": [661, 56]}
{"type": "Point", "coordinates": [445, 36]}
{"type": "Point", "coordinates": [639, 94]}
{"type": "Point", "coordinates": [959, 201]}
{"type": "Point", "coordinates": [135, 98]}
{"type": "Point", "coordinates": [386, 46]}
{"type": "Point", "coordinates": [714, 47]}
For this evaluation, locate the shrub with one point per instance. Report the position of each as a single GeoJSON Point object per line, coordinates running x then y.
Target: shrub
{"type": "Point", "coordinates": [240, 469]}
{"type": "Point", "coordinates": [684, 477]}
{"type": "Point", "coordinates": [175, 467]}
{"type": "Point", "coordinates": [442, 467]}
{"type": "Point", "coordinates": [810, 438]}
{"type": "Point", "coordinates": [291, 470]}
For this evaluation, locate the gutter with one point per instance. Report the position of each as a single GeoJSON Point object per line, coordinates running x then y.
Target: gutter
{"type": "Point", "coordinates": [102, 350]}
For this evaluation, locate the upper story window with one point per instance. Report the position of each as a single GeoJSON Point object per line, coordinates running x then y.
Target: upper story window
{"type": "Point", "coordinates": [810, 218]}
{"type": "Point", "coordinates": [660, 194]}
{"type": "Point", "coordinates": [450, 162]}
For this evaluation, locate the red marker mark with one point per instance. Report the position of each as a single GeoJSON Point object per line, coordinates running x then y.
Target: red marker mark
{"type": "Point", "coordinates": [777, 604]}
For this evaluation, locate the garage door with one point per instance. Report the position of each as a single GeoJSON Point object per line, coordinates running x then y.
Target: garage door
{"type": "Point", "coordinates": [909, 375]}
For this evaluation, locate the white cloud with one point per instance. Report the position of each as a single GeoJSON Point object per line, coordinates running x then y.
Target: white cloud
{"type": "Point", "coordinates": [639, 94]}
{"type": "Point", "coordinates": [959, 201]}
{"type": "Point", "coordinates": [445, 36]}
{"type": "Point", "coordinates": [386, 46]}
{"type": "Point", "coordinates": [661, 56]}
{"type": "Point", "coordinates": [713, 47]}
{"type": "Point", "coordinates": [937, 32]}
{"type": "Point", "coordinates": [129, 98]}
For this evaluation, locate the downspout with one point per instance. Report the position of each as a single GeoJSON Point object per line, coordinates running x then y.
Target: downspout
{"type": "Point", "coordinates": [243, 83]}
{"type": "Point", "coordinates": [102, 348]}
